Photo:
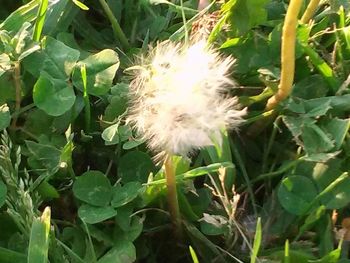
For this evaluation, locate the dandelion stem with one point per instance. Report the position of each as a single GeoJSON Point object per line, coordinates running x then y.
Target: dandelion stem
{"type": "Point", "coordinates": [172, 195]}
{"type": "Point", "coordinates": [310, 11]}
{"type": "Point", "coordinates": [287, 54]}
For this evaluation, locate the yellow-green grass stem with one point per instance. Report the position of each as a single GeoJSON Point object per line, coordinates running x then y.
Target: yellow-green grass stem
{"type": "Point", "coordinates": [86, 99]}
{"type": "Point", "coordinates": [173, 202]}
{"type": "Point", "coordinates": [310, 11]}
{"type": "Point", "coordinates": [287, 54]}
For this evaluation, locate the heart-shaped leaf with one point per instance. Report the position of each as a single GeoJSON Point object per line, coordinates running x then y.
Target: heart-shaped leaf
{"type": "Point", "coordinates": [54, 96]}
{"type": "Point", "coordinates": [296, 193]}
{"type": "Point", "coordinates": [93, 214]}
{"type": "Point", "coordinates": [100, 70]}
{"type": "Point", "coordinates": [94, 188]}
{"type": "Point", "coordinates": [125, 194]}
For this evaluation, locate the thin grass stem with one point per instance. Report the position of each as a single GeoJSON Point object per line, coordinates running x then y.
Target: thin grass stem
{"type": "Point", "coordinates": [87, 108]}
{"type": "Point", "coordinates": [184, 22]}
{"type": "Point", "coordinates": [17, 81]}
{"type": "Point", "coordinates": [269, 145]}
{"type": "Point", "coordinates": [117, 30]}
{"type": "Point", "coordinates": [246, 178]}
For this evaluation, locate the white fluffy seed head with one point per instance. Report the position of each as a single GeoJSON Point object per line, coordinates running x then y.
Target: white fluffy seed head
{"type": "Point", "coordinates": [179, 98]}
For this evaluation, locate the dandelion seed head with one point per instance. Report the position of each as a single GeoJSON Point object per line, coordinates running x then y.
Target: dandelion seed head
{"type": "Point", "coordinates": [179, 98]}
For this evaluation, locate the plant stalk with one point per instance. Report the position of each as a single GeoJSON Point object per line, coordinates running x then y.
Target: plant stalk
{"type": "Point", "coordinates": [184, 22]}
{"type": "Point", "coordinates": [118, 32]}
{"type": "Point", "coordinates": [173, 202]}
{"type": "Point", "coordinates": [287, 54]}
{"type": "Point", "coordinates": [86, 99]}
{"type": "Point", "coordinates": [310, 11]}
{"type": "Point", "coordinates": [17, 82]}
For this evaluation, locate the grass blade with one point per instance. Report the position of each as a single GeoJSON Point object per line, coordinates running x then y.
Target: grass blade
{"type": "Point", "coordinates": [286, 252]}
{"type": "Point", "coordinates": [81, 5]}
{"type": "Point", "coordinates": [257, 242]}
{"type": "Point", "coordinates": [40, 20]}
{"type": "Point", "coordinates": [10, 256]}
{"type": "Point", "coordinates": [86, 99]}
{"type": "Point", "coordinates": [322, 67]}
{"type": "Point", "coordinates": [70, 252]}
{"type": "Point", "coordinates": [117, 30]}
{"type": "Point", "coordinates": [196, 172]}
{"type": "Point", "coordinates": [39, 238]}
{"type": "Point", "coordinates": [26, 13]}
{"type": "Point", "coordinates": [193, 255]}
